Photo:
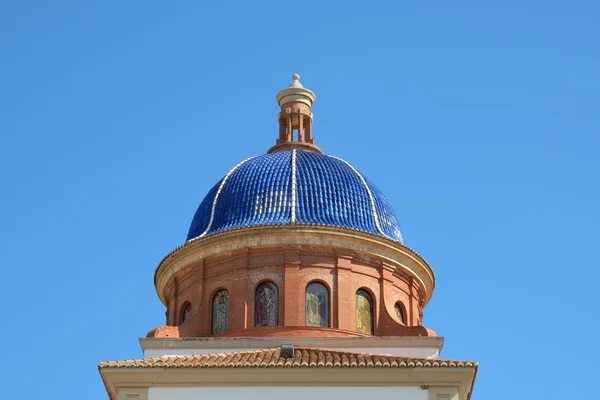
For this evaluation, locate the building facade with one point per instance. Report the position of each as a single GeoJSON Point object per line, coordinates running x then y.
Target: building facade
{"type": "Point", "coordinates": [294, 281]}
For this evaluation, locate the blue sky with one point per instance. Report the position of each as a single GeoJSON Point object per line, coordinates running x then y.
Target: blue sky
{"type": "Point", "coordinates": [478, 121]}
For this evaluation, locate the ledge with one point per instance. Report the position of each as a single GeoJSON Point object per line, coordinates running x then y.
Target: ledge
{"type": "Point", "coordinates": [295, 145]}
{"type": "Point", "coordinates": [214, 342]}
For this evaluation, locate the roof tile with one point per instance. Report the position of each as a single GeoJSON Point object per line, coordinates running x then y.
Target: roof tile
{"type": "Point", "coordinates": [269, 358]}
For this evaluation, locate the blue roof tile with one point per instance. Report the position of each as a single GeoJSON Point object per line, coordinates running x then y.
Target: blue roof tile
{"type": "Point", "coordinates": [328, 191]}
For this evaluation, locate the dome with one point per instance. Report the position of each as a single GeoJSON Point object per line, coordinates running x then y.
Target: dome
{"type": "Point", "coordinates": [295, 187]}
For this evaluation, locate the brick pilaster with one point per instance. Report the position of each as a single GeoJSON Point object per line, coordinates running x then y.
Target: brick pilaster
{"type": "Point", "coordinates": [238, 304]}
{"type": "Point", "coordinates": [292, 293]}
{"type": "Point", "coordinates": [346, 297]}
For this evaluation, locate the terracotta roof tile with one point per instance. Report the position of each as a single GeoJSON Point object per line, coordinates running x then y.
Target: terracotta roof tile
{"type": "Point", "coordinates": [304, 358]}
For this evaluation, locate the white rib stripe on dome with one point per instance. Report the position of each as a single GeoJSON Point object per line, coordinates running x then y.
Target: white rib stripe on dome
{"type": "Point", "coordinates": [214, 205]}
{"type": "Point", "coordinates": [293, 205]}
{"type": "Point", "coordinates": [373, 209]}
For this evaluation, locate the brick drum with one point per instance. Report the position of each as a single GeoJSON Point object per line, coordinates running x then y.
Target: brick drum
{"type": "Point", "coordinates": [292, 268]}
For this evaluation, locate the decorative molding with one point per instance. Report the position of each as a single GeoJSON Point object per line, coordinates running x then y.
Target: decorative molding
{"type": "Point", "coordinates": [293, 205]}
{"type": "Point", "coordinates": [343, 240]}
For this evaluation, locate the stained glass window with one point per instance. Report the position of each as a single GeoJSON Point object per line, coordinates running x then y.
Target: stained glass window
{"type": "Point", "coordinates": [399, 312]}
{"type": "Point", "coordinates": [317, 305]}
{"type": "Point", "coordinates": [185, 314]}
{"type": "Point", "coordinates": [220, 311]}
{"type": "Point", "coordinates": [364, 312]}
{"type": "Point", "coordinates": [266, 309]}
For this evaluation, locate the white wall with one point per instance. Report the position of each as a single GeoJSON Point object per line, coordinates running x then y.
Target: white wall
{"type": "Point", "coordinates": [418, 352]}
{"type": "Point", "coordinates": [290, 393]}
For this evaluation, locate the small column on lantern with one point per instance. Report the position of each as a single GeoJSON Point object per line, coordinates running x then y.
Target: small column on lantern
{"type": "Point", "coordinates": [301, 126]}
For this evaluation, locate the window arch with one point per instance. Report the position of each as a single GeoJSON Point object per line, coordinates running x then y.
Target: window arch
{"type": "Point", "coordinates": [317, 305]}
{"type": "Point", "coordinates": [220, 312]}
{"type": "Point", "coordinates": [185, 312]}
{"type": "Point", "coordinates": [364, 312]}
{"type": "Point", "coordinates": [266, 305]}
{"type": "Point", "coordinates": [399, 308]}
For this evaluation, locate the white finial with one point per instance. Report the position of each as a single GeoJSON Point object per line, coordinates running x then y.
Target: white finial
{"type": "Point", "coordinates": [296, 81]}
{"type": "Point", "coordinates": [296, 92]}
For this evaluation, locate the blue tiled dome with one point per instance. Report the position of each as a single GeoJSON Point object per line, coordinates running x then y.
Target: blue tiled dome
{"type": "Point", "coordinates": [295, 187]}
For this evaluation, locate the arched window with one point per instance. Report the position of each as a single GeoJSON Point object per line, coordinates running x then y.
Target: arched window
{"type": "Point", "coordinates": [266, 305]}
{"type": "Point", "coordinates": [364, 312]}
{"type": "Point", "coordinates": [220, 312]}
{"type": "Point", "coordinates": [185, 312]}
{"type": "Point", "coordinates": [317, 305]}
{"type": "Point", "coordinates": [400, 312]}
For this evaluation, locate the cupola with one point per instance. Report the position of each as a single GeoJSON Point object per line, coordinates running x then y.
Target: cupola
{"type": "Point", "coordinates": [294, 243]}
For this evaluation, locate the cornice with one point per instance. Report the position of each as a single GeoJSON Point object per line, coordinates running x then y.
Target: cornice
{"type": "Point", "coordinates": [432, 375]}
{"type": "Point", "coordinates": [344, 240]}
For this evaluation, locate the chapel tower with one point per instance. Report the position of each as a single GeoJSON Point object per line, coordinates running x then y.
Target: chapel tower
{"type": "Point", "coordinates": [293, 259]}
